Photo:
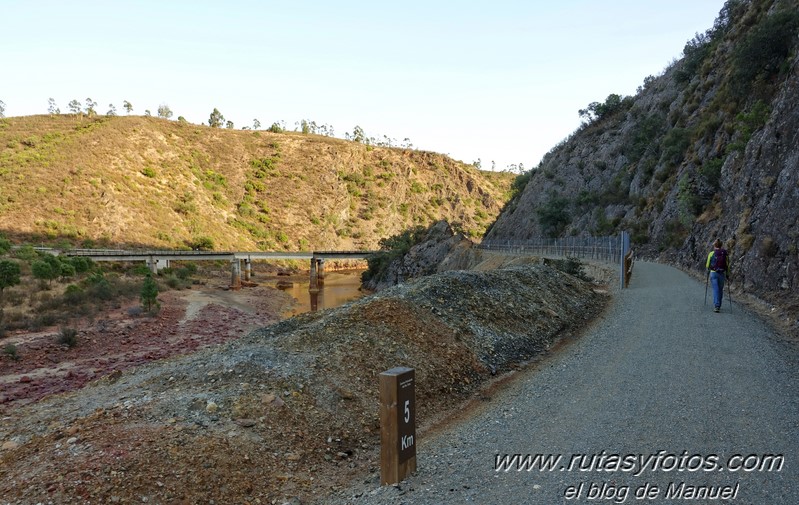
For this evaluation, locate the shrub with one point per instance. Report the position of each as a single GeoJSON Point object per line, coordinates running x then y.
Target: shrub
{"type": "Point", "coordinates": [710, 171]}
{"type": "Point", "coordinates": [689, 200]}
{"type": "Point", "coordinates": [187, 271]}
{"type": "Point", "coordinates": [519, 183]}
{"type": "Point", "coordinates": [148, 172]}
{"type": "Point", "coordinates": [67, 270]}
{"type": "Point", "coordinates": [391, 248]}
{"type": "Point", "coordinates": [572, 266]}
{"type": "Point", "coordinates": [80, 264]}
{"type": "Point", "coordinates": [675, 144]}
{"type": "Point", "coordinates": [202, 244]}
{"type": "Point", "coordinates": [26, 253]}
{"type": "Point", "coordinates": [99, 287]}
{"type": "Point", "coordinates": [173, 282]}
{"type": "Point", "coordinates": [596, 111]}
{"type": "Point", "coordinates": [10, 350]}
{"type": "Point", "coordinates": [74, 295]}
{"type": "Point", "coordinates": [68, 337]}
{"type": "Point", "coordinates": [5, 245]}
{"type": "Point", "coordinates": [553, 217]}
{"type": "Point", "coordinates": [763, 52]}
{"type": "Point", "coordinates": [417, 187]}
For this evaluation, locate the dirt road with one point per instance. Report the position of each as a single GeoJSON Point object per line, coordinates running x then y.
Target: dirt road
{"type": "Point", "coordinates": [663, 398]}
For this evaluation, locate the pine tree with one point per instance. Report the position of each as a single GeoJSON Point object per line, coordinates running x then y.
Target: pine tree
{"type": "Point", "coordinates": [149, 294]}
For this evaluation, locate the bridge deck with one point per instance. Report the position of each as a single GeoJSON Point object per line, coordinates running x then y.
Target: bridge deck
{"type": "Point", "coordinates": [174, 255]}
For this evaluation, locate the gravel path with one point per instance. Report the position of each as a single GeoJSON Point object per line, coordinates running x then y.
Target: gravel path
{"type": "Point", "coordinates": [661, 372]}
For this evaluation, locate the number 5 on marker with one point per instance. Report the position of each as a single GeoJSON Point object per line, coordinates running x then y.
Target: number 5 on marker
{"type": "Point", "coordinates": [407, 410]}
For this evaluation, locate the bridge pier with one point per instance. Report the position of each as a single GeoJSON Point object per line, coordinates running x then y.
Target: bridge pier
{"type": "Point", "coordinates": [247, 269]}
{"type": "Point", "coordinates": [155, 264]}
{"type": "Point", "coordinates": [313, 287]}
{"type": "Point", "coordinates": [320, 270]}
{"type": "Point", "coordinates": [235, 274]}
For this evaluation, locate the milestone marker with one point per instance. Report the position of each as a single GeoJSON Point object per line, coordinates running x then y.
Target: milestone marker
{"type": "Point", "coordinates": [397, 424]}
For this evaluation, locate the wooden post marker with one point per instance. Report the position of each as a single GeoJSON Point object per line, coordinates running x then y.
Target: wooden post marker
{"type": "Point", "coordinates": [397, 424]}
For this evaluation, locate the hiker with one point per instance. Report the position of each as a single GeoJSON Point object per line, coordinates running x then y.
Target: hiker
{"type": "Point", "coordinates": [718, 268]}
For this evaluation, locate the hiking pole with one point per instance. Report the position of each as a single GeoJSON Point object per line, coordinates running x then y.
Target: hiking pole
{"type": "Point", "coordinates": [707, 280]}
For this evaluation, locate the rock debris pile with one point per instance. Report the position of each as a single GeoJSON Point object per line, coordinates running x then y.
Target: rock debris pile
{"type": "Point", "coordinates": [290, 411]}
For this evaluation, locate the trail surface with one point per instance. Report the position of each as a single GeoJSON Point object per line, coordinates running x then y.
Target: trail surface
{"type": "Point", "coordinates": [660, 375]}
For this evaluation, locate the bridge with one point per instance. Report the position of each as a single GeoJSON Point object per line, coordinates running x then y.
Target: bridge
{"type": "Point", "coordinates": [158, 259]}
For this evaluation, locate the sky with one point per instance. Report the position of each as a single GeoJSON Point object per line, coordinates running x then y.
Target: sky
{"type": "Point", "coordinates": [497, 81]}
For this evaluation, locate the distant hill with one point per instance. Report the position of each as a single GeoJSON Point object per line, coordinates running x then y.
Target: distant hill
{"type": "Point", "coordinates": [708, 149]}
{"type": "Point", "coordinates": [143, 181]}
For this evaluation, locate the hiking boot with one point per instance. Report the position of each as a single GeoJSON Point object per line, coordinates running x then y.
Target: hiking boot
{"type": "Point", "coordinates": [716, 309]}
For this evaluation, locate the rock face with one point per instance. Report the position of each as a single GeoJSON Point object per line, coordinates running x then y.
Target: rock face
{"type": "Point", "coordinates": [709, 149]}
{"type": "Point", "coordinates": [440, 250]}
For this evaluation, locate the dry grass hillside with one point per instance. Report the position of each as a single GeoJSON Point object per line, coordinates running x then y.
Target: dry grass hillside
{"type": "Point", "coordinates": [143, 181]}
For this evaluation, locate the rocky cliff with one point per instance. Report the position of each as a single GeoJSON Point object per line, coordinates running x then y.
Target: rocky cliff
{"type": "Point", "coordinates": [434, 250]}
{"type": "Point", "coordinates": [708, 149]}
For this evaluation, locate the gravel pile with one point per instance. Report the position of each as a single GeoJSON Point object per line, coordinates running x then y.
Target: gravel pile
{"type": "Point", "coordinates": [289, 411]}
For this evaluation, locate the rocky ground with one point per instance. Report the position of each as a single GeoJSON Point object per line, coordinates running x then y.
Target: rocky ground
{"type": "Point", "coordinates": [124, 338]}
{"type": "Point", "coordinates": [288, 412]}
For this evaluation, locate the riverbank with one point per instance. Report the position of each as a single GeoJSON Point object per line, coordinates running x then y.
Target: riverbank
{"type": "Point", "coordinates": [290, 410]}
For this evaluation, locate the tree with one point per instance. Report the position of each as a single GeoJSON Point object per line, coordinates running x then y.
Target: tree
{"type": "Point", "coordinates": [67, 270]}
{"type": "Point", "coordinates": [9, 274]}
{"type": "Point", "coordinates": [2, 109]}
{"type": "Point", "coordinates": [216, 120]}
{"type": "Point", "coordinates": [182, 119]}
{"type": "Point", "coordinates": [229, 125]}
{"type": "Point", "coordinates": [127, 106]}
{"type": "Point", "coordinates": [164, 111]}
{"type": "Point", "coordinates": [256, 124]}
{"type": "Point", "coordinates": [596, 110]}
{"type": "Point", "coordinates": [149, 293]}
{"type": "Point", "coordinates": [358, 135]}
{"type": "Point", "coordinates": [43, 270]}
{"type": "Point", "coordinates": [51, 107]}
{"type": "Point", "coordinates": [112, 110]}
{"type": "Point", "coordinates": [147, 112]}
{"type": "Point", "coordinates": [74, 107]}
{"type": "Point", "coordinates": [276, 128]}
{"type": "Point", "coordinates": [90, 107]}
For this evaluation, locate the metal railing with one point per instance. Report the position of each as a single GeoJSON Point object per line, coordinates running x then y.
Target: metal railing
{"type": "Point", "coordinates": [595, 248]}
{"type": "Point", "coordinates": [612, 249]}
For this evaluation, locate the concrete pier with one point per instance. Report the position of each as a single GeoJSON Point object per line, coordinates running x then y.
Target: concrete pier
{"type": "Point", "coordinates": [320, 270]}
{"type": "Point", "coordinates": [247, 269]}
{"type": "Point", "coordinates": [313, 287]}
{"type": "Point", "coordinates": [235, 274]}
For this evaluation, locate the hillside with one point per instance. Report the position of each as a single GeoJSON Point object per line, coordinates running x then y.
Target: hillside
{"type": "Point", "coordinates": [143, 181]}
{"type": "Point", "coordinates": [707, 149]}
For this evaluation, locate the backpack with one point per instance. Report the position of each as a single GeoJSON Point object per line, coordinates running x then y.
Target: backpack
{"type": "Point", "coordinates": [718, 261]}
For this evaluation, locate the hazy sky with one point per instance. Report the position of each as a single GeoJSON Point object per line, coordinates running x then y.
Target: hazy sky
{"type": "Point", "coordinates": [498, 80]}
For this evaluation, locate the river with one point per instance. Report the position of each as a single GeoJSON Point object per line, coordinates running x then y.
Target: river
{"type": "Point", "coordinates": [338, 288]}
